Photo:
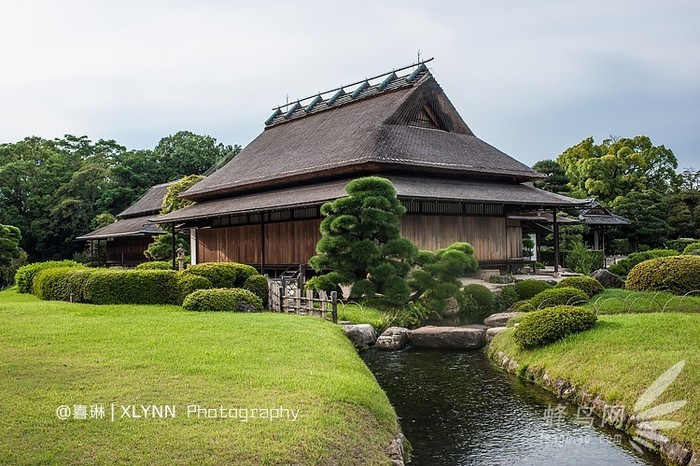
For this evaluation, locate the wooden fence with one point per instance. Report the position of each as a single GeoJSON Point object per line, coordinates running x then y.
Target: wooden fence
{"type": "Point", "coordinates": [287, 296]}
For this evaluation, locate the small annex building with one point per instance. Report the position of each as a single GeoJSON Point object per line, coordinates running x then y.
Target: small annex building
{"type": "Point", "coordinates": [263, 207]}
{"type": "Point", "coordinates": [127, 238]}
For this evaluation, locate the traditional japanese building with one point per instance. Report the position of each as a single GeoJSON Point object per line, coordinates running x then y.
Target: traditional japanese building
{"type": "Point", "coordinates": [262, 208]}
{"type": "Point", "coordinates": [127, 238]}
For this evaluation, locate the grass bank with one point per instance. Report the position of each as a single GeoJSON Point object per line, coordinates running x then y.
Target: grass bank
{"type": "Point", "coordinates": [621, 357]}
{"type": "Point", "coordinates": [55, 353]}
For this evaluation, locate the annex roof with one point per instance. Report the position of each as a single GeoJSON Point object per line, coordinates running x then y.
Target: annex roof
{"type": "Point", "coordinates": [134, 226]}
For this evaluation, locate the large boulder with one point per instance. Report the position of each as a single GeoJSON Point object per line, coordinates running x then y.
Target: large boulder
{"type": "Point", "coordinates": [500, 319]}
{"type": "Point", "coordinates": [392, 339]}
{"type": "Point", "coordinates": [361, 335]}
{"type": "Point", "coordinates": [448, 337]}
{"type": "Point", "coordinates": [608, 279]}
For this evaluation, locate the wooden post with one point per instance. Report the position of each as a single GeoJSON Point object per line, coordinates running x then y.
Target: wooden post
{"type": "Point", "coordinates": [297, 301]}
{"type": "Point", "coordinates": [262, 245]}
{"type": "Point", "coordinates": [334, 308]}
{"type": "Point", "coordinates": [283, 292]}
{"type": "Point", "coordinates": [602, 240]}
{"type": "Point", "coordinates": [174, 247]}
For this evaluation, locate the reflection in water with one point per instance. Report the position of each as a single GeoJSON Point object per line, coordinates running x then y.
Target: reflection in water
{"type": "Point", "coordinates": [456, 408]}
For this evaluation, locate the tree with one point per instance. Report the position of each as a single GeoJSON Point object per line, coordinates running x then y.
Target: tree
{"type": "Point", "coordinates": [9, 244]}
{"type": "Point", "coordinates": [361, 244]}
{"type": "Point", "coordinates": [647, 212]}
{"type": "Point", "coordinates": [555, 180]}
{"type": "Point", "coordinates": [186, 153]}
{"type": "Point", "coordinates": [617, 167]}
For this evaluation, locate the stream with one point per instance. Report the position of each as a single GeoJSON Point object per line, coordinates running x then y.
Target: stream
{"type": "Point", "coordinates": [458, 408]}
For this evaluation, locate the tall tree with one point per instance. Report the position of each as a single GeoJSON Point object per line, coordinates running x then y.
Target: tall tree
{"type": "Point", "coordinates": [555, 180]}
{"type": "Point", "coordinates": [9, 244]}
{"type": "Point", "coordinates": [186, 153]}
{"type": "Point", "coordinates": [648, 213]}
{"type": "Point", "coordinates": [618, 166]}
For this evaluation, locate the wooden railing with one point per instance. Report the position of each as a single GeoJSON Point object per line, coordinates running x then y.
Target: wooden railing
{"type": "Point", "coordinates": [286, 296]}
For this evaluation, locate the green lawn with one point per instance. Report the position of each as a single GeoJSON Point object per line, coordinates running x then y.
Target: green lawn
{"type": "Point", "coordinates": [359, 314]}
{"type": "Point", "coordinates": [55, 353]}
{"type": "Point", "coordinates": [615, 301]}
{"type": "Point", "coordinates": [621, 357]}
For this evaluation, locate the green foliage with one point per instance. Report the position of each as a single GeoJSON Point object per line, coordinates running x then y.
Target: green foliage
{"type": "Point", "coordinates": [223, 274]}
{"type": "Point", "coordinates": [677, 275]}
{"type": "Point", "coordinates": [555, 180]}
{"type": "Point", "coordinates": [648, 213]}
{"type": "Point", "coordinates": [559, 296]}
{"type": "Point", "coordinates": [693, 249]}
{"type": "Point", "coordinates": [412, 316]}
{"type": "Point", "coordinates": [172, 201]}
{"type": "Point", "coordinates": [155, 265]}
{"type": "Point", "coordinates": [222, 300]}
{"type": "Point", "coordinates": [9, 244]}
{"type": "Point", "coordinates": [188, 283]}
{"type": "Point", "coordinates": [259, 286]}
{"type": "Point", "coordinates": [506, 298]}
{"type": "Point", "coordinates": [588, 285]}
{"type": "Point", "coordinates": [327, 282]}
{"type": "Point", "coordinates": [58, 284]}
{"type": "Point", "coordinates": [501, 279]}
{"type": "Point", "coordinates": [361, 244]}
{"type": "Point", "coordinates": [25, 274]}
{"type": "Point", "coordinates": [582, 260]}
{"type": "Point", "coordinates": [620, 246]}
{"type": "Point", "coordinates": [618, 166]}
{"type": "Point", "coordinates": [522, 306]}
{"type": "Point", "coordinates": [483, 297]}
{"type": "Point", "coordinates": [539, 328]}
{"type": "Point", "coordinates": [437, 277]}
{"type": "Point", "coordinates": [131, 287]}
{"type": "Point", "coordinates": [526, 289]}
{"type": "Point", "coordinates": [623, 266]}
{"type": "Point", "coordinates": [7, 272]}
{"type": "Point", "coordinates": [684, 213]}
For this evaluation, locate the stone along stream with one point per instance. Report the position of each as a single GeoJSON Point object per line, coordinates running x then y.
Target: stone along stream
{"type": "Point", "coordinates": [457, 408]}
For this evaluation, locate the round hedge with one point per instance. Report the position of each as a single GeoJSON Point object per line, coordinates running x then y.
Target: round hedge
{"type": "Point", "coordinates": [693, 249]}
{"type": "Point", "coordinates": [559, 296]}
{"type": "Point", "coordinates": [222, 300]}
{"type": "Point", "coordinates": [623, 267]}
{"type": "Point", "coordinates": [258, 285]}
{"type": "Point", "coordinates": [677, 275]}
{"type": "Point", "coordinates": [25, 274]}
{"type": "Point", "coordinates": [483, 297]}
{"type": "Point", "coordinates": [548, 325]}
{"type": "Point", "coordinates": [506, 298]}
{"type": "Point", "coordinates": [155, 265]}
{"type": "Point", "coordinates": [187, 284]}
{"type": "Point", "coordinates": [223, 274]}
{"type": "Point", "coordinates": [529, 288]}
{"type": "Point", "coordinates": [588, 285]}
{"type": "Point", "coordinates": [522, 306]}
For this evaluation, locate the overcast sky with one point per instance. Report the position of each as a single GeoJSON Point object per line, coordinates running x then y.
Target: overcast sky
{"type": "Point", "coordinates": [531, 78]}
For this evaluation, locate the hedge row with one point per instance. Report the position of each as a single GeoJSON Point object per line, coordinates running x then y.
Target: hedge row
{"type": "Point", "coordinates": [25, 274]}
{"type": "Point", "coordinates": [539, 328]}
{"type": "Point", "coordinates": [110, 286]}
{"type": "Point", "coordinates": [223, 300]}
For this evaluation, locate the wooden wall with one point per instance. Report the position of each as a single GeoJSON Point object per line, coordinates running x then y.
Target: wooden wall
{"type": "Point", "coordinates": [486, 234]}
{"type": "Point", "coordinates": [286, 243]}
{"type": "Point", "coordinates": [294, 242]}
{"type": "Point", "coordinates": [127, 250]}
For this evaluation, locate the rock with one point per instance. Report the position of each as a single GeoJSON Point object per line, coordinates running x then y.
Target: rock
{"type": "Point", "coordinates": [493, 331]}
{"type": "Point", "coordinates": [451, 308]}
{"type": "Point", "coordinates": [361, 335]}
{"type": "Point", "coordinates": [608, 279]}
{"type": "Point", "coordinates": [448, 337]}
{"type": "Point", "coordinates": [244, 306]}
{"type": "Point", "coordinates": [499, 319]}
{"type": "Point", "coordinates": [392, 339]}
{"type": "Point", "coordinates": [396, 450]}
{"type": "Point", "coordinates": [676, 452]}
{"type": "Point", "coordinates": [695, 460]}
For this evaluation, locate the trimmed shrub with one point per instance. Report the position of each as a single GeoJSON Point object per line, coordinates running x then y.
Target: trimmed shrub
{"type": "Point", "coordinates": [559, 296]}
{"type": "Point", "coordinates": [677, 275]}
{"type": "Point", "coordinates": [588, 285]}
{"type": "Point", "coordinates": [522, 306]}
{"type": "Point", "coordinates": [155, 265]}
{"type": "Point", "coordinates": [59, 283]}
{"type": "Point", "coordinates": [222, 300]}
{"type": "Point", "coordinates": [187, 284]}
{"type": "Point", "coordinates": [131, 287]}
{"type": "Point", "coordinates": [223, 274]}
{"type": "Point", "coordinates": [25, 274]}
{"type": "Point", "coordinates": [526, 289]}
{"type": "Point", "coordinates": [258, 285]}
{"type": "Point", "coordinates": [545, 326]}
{"type": "Point", "coordinates": [506, 298]}
{"type": "Point", "coordinates": [623, 267]}
{"type": "Point", "coordinates": [693, 249]}
{"type": "Point", "coordinates": [483, 297]}
{"type": "Point", "coordinates": [680, 244]}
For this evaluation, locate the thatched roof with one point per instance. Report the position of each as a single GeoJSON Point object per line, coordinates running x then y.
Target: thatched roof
{"type": "Point", "coordinates": [149, 204]}
{"type": "Point", "coordinates": [134, 226]}
{"type": "Point", "coordinates": [400, 125]}
{"type": "Point", "coordinates": [407, 187]}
